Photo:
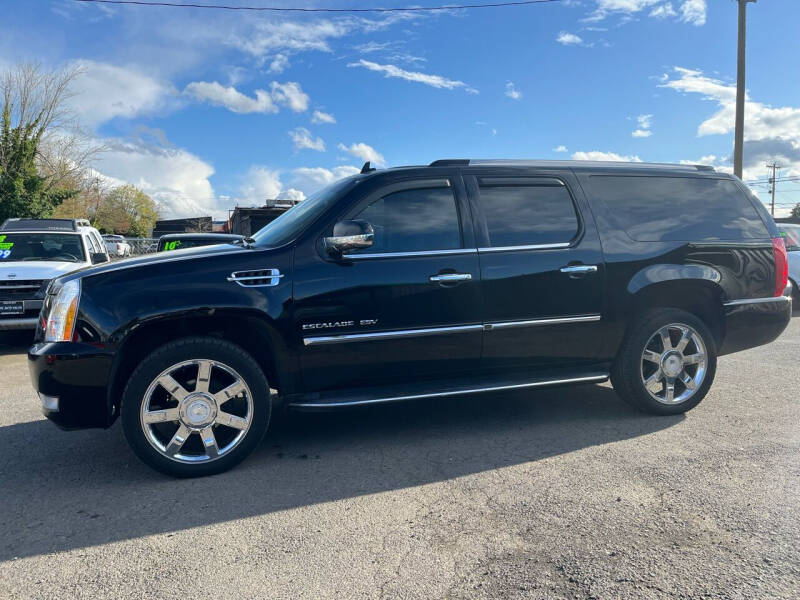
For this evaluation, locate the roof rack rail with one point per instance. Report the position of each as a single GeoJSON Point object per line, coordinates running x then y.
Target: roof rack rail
{"type": "Point", "coordinates": [83, 223]}
{"type": "Point", "coordinates": [17, 224]}
{"type": "Point", "coordinates": [450, 162]}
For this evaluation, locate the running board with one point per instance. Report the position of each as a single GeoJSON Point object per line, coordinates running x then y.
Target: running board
{"type": "Point", "coordinates": [331, 400]}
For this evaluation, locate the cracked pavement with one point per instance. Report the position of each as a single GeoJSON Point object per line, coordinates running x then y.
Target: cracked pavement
{"type": "Point", "coordinates": [562, 493]}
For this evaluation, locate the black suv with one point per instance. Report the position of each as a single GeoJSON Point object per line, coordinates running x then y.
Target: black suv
{"type": "Point", "coordinates": [418, 282]}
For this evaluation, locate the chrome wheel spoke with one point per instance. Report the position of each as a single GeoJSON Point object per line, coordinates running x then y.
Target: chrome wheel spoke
{"type": "Point", "coordinates": [233, 390]}
{"type": "Point", "coordinates": [686, 337]}
{"type": "Point", "coordinates": [666, 342]}
{"type": "Point", "coordinates": [161, 416]}
{"type": "Point", "coordinates": [651, 356]}
{"type": "Point", "coordinates": [230, 420]}
{"type": "Point", "coordinates": [178, 440]}
{"type": "Point", "coordinates": [175, 389]}
{"type": "Point", "coordinates": [203, 376]}
{"type": "Point", "coordinates": [654, 378]}
{"type": "Point", "coordinates": [688, 381]}
{"type": "Point", "coordinates": [209, 442]}
{"type": "Point", "coordinates": [694, 359]}
{"type": "Point", "coordinates": [669, 390]}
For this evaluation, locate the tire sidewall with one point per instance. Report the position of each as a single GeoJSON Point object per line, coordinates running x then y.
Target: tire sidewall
{"type": "Point", "coordinates": [189, 349]}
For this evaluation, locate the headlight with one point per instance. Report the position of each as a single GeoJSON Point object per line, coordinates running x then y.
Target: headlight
{"type": "Point", "coordinates": [63, 313]}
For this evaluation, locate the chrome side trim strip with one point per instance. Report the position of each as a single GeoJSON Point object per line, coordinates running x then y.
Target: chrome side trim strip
{"type": "Point", "coordinates": [539, 322]}
{"type": "Point", "coordinates": [387, 335]}
{"type": "Point", "coordinates": [530, 247]}
{"type": "Point", "coordinates": [494, 388]}
{"type": "Point", "coordinates": [758, 300]}
{"type": "Point", "coordinates": [407, 254]}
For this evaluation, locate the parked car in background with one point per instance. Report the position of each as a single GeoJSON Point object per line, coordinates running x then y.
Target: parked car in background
{"type": "Point", "coordinates": [180, 241]}
{"type": "Point", "coordinates": [419, 283]}
{"type": "Point", "coordinates": [117, 246]}
{"type": "Point", "coordinates": [791, 237]}
{"type": "Point", "coordinates": [32, 253]}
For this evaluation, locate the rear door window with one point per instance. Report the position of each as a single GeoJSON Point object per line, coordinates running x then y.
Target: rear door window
{"type": "Point", "coordinates": [660, 209]}
{"type": "Point", "coordinates": [527, 215]}
{"type": "Point", "coordinates": [413, 220]}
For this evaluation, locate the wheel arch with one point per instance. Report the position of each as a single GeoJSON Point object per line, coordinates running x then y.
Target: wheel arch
{"type": "Point", "coordinates": [254, 333]}
{"type": "Point", "coordinates": [693, 288]}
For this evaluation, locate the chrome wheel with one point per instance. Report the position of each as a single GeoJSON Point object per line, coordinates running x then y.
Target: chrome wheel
{"type": "Point", "coordinates": [674, 364]}
{"type": "Point", "coordinates": [196, 411]}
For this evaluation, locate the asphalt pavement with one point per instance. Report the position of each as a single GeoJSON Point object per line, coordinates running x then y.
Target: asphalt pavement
{"type": "Point", "coordinates": [558, 494]}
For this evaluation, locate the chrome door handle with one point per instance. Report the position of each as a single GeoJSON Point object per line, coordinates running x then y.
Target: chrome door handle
{"type": "Point", "coordinates": [572, 269]}
{"type": "Point", "coordinates": [447, 277]}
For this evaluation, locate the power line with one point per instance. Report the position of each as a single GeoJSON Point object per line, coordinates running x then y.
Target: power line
{"type": "Point", "coordinates": [322, 10]}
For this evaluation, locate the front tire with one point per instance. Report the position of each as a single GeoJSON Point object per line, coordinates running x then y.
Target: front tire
{"type": "Point", "coordinates": [196, 406]}
{"type": "Point", "coordinates": [666, 363]}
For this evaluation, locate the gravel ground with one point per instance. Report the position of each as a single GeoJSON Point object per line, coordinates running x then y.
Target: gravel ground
{"type": "Point", "coordinates": [563, 493]}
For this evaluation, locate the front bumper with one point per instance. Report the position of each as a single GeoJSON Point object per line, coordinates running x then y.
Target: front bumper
{"type": "Point", "coordinates": [27, 320]}
{"type": "Point", "coordinates": [751, 323]}
{"type": "Point", "coordinates": [72, 380]}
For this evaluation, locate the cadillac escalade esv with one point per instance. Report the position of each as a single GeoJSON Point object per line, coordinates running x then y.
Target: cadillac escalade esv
{"type": "Point", "coordinates": [455, 278]}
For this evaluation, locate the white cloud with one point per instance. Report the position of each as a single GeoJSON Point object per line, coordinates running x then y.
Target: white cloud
{"type": "Point", "coordinates": [231, 98]}
{"type": "Point", "coordinates": [364, 152]}
{"type": "Point", "coordinates": [286, 94]}
{"type": "Point", "coordinates": [770, 133]}
{"type": "Point", "coordinates": [597, 155]}
{"type": "Point", "coordinates": [104, 92]}
{"type": "Point", "coordinates": [319, 117]}
{"type": "Point", "coordinates": [561, 148]}
{"type": "Point", "coordinates": [289, 94]}
{"type": "Point", "coordinates": [177, 179]}
{"type": "Point", "coordinates": [663, 11]}
{"type": "Point", "coordinates": [436, 81]}
{"type": "Point", "coordinates": [260, 184]}
{"type": "Point", "coordinates": [645, 123]}
{"type": "Point", "coordinates": [302, 139]}
{"type": "Point", "coordinates": [310, 179]}
{"type": "Point", "coordinates": [694, 12]}
{"type": "Point", "coordinates": [512, 92]}
{"type": "Point", "coordinates": [278, 64]}
{"type": "Point", "coordinates": [569, 39]}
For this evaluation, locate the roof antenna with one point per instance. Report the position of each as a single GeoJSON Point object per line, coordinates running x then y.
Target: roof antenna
{"type": "Point", "coordinates": [366, 168]}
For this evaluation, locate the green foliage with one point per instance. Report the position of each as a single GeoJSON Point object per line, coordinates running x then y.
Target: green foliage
{"type": "Point", "coordinates": [796, 211]}
{"type": "Point", "coordinates": [126, 210]}
{"type": "Point", "coordinates": [23, 192]}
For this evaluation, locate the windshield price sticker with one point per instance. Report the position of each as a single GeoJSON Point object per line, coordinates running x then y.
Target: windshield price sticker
{"type": "Point", "coordinates": [5, 247]}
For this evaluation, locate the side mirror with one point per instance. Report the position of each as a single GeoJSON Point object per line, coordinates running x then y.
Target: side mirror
{"type": "Point", "coordinates": [349, 235]}
{"type": "Point", "coordinates": [99, 257]}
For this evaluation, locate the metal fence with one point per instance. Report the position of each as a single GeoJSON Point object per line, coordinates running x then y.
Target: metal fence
{"type": "Point", "coordinates": [142, 245]}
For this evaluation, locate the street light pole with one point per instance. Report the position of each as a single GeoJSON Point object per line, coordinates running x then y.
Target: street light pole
{"type": "Point", "coordinates": [738, 138]}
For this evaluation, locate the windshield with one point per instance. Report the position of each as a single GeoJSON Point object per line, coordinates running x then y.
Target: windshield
{"type": "Point", "coordinates": [65, 247]}
{"type": "Point", "coordinates": [791, 236]}
{"type": "Point", "coordinates": [286, 227]}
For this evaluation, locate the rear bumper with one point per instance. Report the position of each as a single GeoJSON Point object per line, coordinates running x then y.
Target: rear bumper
{"type": "Point", "coordinates": [754, 322]}
{"type": "Point", "coordinates": [72, 380]}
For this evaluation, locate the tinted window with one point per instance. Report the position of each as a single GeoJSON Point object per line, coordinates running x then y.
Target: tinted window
{"type": "Point", "coordinates": [652, 209]}
{"type": "Point", "coordinates": [520, 215]}
{"type": "Point", "coordinates": [41, 247]}
{"type": "Point", "coordinates": [414, 220]}
{"type": "Point", "coordinates": [791, 236]}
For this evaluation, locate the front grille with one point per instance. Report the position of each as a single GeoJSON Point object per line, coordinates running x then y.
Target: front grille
{"type": "Point", "coordinates": [24, 289]}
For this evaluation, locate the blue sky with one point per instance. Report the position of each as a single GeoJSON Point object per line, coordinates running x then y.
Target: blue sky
{"type": "Point", "coordinates": [205, 109]}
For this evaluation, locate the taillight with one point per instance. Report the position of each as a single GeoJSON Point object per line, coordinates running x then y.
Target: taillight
{"type": "Point", "coordinates": [781, 266]}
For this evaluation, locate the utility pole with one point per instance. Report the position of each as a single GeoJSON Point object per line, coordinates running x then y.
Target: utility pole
{"type": "Point", "coordinates": [738, 137]}
{"type": "Point", "coordinates": [774, 166]}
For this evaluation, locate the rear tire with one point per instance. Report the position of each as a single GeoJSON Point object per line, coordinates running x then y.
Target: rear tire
{"type": "Point", "coordinates": [669, 349]}
{"type": "Point", "coordinates": [196, 406]}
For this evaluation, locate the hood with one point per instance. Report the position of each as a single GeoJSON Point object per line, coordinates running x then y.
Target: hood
{"type": "Point", "coordinates": [158, 257]}
{"type": "Point", "coordinates": [19, 270]}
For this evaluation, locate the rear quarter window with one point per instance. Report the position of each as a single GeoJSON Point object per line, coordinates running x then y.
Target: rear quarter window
{"type": "Point", "coordinates": [660, 209]}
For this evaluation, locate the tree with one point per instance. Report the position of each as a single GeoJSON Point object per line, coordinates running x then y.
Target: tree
{"type": "Point", "coordinates": [42, 155]}
{"type": "Point", "coordinates": [127, 210]}
{"type": "Point", "coordinates": [796, 211]}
